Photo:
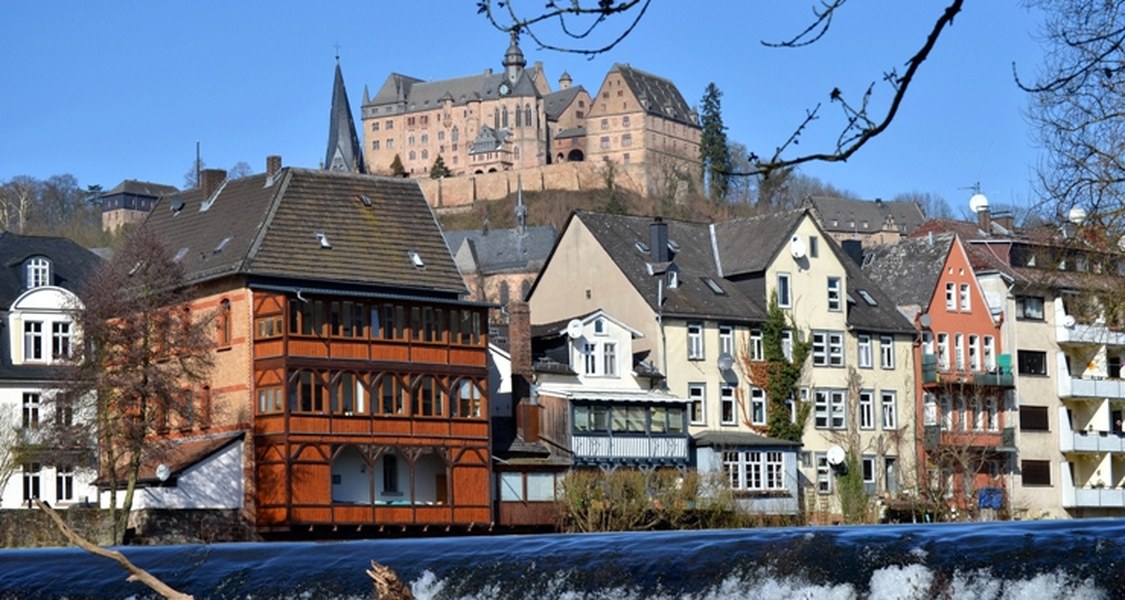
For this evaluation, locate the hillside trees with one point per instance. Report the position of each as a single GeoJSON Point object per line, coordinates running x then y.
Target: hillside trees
{"type": "Point", "coordinates": [146, 356]}
{"type": "Point", "coordinates": [52, 206]}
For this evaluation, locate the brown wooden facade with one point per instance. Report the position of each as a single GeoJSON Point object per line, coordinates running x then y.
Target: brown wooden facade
{"type": "Point", "coordinates": [369, 412]}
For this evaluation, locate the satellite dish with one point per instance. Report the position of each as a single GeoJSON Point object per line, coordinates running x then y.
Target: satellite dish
{"type": "Point", "coordinates": [574, 329]}
{"type": "Point", "coordinates": [978, 203]}
{"type": "Point", "coordinates": [726, 361]}
{"type": "Point", "coordinates": [836, 456]}
{"type": "Point", "coordinates": [163, 472]}
{"type": "Point", "coordinates": [1077, 215]}
{"type": "Point", "coordinates": [797, 247]}
{"type": "Point", "coordinates": [1069, 321]}
{"type": "Point", "coordinates": [177, 203]}
{"type": "Point", "coordinates": [925, 320]}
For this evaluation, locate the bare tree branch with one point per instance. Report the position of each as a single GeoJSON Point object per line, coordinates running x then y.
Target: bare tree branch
{"type": "Point", "coordinates": [135, 573]}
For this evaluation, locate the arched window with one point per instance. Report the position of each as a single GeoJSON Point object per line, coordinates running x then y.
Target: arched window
{"type": "Point", "coordinates": [306, 392]}
{"type": "Point", "coordinates": [519, 118]}
{"type": "Point", "coordinates": [504, 116]}
{"type": "Point", "coordinates": [429, 401]}
{"type": "Point", "coordinates": [469, 399]}
{"type": "Point", "coordinates": [527, 115]}
{"type": "Point", "coordinates": [348, 395]}
{"type": "Point", "coordinates": [525, 289]}
{"type": "Point", "coordinates": [504, 292]}
{"type": "Point", "coordinates": [38, 272]}
{"type": "Point", "coordinates": [455, 135]}
{"type": "Point", "coordinates": [495, 119]}
{"type": "Point", "coordinates": [223, 323]}
{"type": "Point", "coordinates": [389, 395]}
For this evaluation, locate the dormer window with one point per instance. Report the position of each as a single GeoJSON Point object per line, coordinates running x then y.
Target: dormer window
{"type": "Point", "coordinates": [599, 326]}
{"type": "Point", "coordinates": [38, 272]}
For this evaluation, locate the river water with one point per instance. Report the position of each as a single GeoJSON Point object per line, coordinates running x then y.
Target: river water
{"type": "Point", "coordinates": [1032, 559]}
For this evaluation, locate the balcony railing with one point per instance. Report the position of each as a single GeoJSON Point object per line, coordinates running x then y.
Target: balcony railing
{"type": "Point", "coordinates": [1088, 441]}
{"type": "Point", "coordinates": [1004, 440]}
{"type": "Point", "coordinates": [1089, 334]}
{"type": "Point", "coordinates": [1001, 376]}
{"type": "Point", "coordinates": [1079, 387]}
{"type": "Point", "coordinates": [603, 448]}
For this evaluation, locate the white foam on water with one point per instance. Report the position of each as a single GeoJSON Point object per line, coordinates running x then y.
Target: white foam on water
{"type": "Point", "coordinates": [909, 582]}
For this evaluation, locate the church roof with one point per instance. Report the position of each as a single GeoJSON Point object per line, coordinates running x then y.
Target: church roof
{"type": "Point", "coordinates": [344, 152]}
{"type": "Point", "coordinates": [556, 102]}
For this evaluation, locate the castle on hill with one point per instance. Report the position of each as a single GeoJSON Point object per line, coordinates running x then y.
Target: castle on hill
{"type": "Point", "coordinates": [493, 128]}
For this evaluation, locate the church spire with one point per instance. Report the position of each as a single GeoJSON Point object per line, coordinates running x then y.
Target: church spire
{"type": "Point", "coordinates": [344, 153]}
{"type": "Point", "coordinates": [514, 62]}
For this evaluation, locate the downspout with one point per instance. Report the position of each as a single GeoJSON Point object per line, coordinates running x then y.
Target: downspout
{"type": "Point", "coordinates": [660, 324]}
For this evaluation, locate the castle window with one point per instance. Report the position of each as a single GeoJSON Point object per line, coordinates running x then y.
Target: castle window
{"type": "Point", "coordinates": [527, 114]}
{"type": "Point", "coordinates": [38, 272]}
{"type": "Point", "coordinates": [605, 123]}
{"type": "Point", "coordinates": [223, 324]}
{"type": "Point", "coordinates": [390, 124]}
{"type": "Point", "coordinates": [375, 126]}
{"type": "Point", "coordinates": [375, 145]}
{"type": "Point", "coordinates": [625, 121]}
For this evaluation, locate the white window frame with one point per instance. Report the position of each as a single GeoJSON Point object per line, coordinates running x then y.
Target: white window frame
{"type": "Point", "coordinates": [929, 409]}
{"type": "Point", "coordinates": [834, 287]}
{"type": "Point", "coordinates": [590, 358]}
{"type": "Point", "coordinates": [959, 351]}
{"type": "Point", "coordinates": [62, 340]}
{"type": "Point", "coordinates": [830, 408]}
{"type": "Point", "coordinates": [943, 350]}
{"type": "Point", "coordinates": [32, 407]}
{"type": "Point", "coordinates": [33, 345]}
{"type": "Point", "coordinates": [887, 351]}
{"type": "Point", "coordinates": [756, 349]}
{"type": "Point", "coordinates": [835, 349]}
{"type": "Point", "coordinates": [38, 272]}
{"type": "Point", "coordinates": [966, 298]}
{"type": "Point", "coordinates": [867, 409]}
{"type": "Point", "coordinates": [757, 405]}
{"type": "Point", "coordinates": [950, 297]}
{"type": "Point", "coordinates": [787, 344]}
{"type": "Point", "coordinates": [992, 405]}
{"type": "Point", "coordinates": [609, 359]}
{"type": "Point", "coordinates": [864, 359]}
{"type": "Point", "coordinates": [823, 474]}
{"type": "Point", "coordinates": [888, 399]}
{"type": "Point", "coordinates": [695, 347]}
{"type": "Point", "coordinates": [784, 290]}
{"type": "Point", "coordinates": [946, 403]}
{"type": "Point", "coordinates": [726, 339]}
{"type": "Point", "coordinates": [989, 353]}
{"type": "Point", "coordinates": [820, 348]}
{"type": "Point", "coordinates": [697, 403]}
{"type": "Point", "coordinates": [728, 405]}
{"type": "Point", "coordinates": [974, 353]}
{"type": "Point", "coordinates": [977, 408]}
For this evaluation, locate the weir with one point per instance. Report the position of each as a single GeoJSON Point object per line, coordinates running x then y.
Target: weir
{"type": "Point", "coordinates": [1039, 559]}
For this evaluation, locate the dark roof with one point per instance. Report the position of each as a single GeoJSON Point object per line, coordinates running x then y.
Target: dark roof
{"type": "Point", "coordinates": [500, 250]}
{"type": "Point", "coordinates": [418, 94]}
{"type": "Point", "coordinates": [268, 226]}
{"type": "Point", "coordinates": [745, 248]}
{"type": "Point", "coordinates": [738, 438]}
{"type": "Point", "coordinates": [71, 264]}
{"type": "Point", "coordinates": [571, 132]}
{"type": "Point", "coordinates": [620, 235]}
{"type": "Point", "coordinates": [909, 270]}
{"type": "Point", "coordinates": [864, 216]}
{"type": "Point", "coordinates": [343, 152]}
{"type": "Point", "coordinates": [556, 102]}
{"type": "Point", "coordinates": [140, 188]}
{"type": "Point", "coordinates": [179, 455]}
{"type": "Point", "coordinates": [658, 96]}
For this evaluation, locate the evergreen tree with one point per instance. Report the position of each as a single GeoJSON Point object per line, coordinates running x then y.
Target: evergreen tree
{"type": "Point", "coordinates": [439, 169]}
{"type": "Point", "coordinates": [396, 167]}
{"type": "Point", "coordinates": [714, 154]}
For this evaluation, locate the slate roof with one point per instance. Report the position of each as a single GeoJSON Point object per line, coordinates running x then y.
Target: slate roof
{"type": "Point", "coordinates": [500, 250]}
{"type": "Point", "coordinates": [71, 264]}
{"type": "Point", "coordinates": [864, 216]}
{"type": "Point", "coordinates": [908, 271]}
{"type": "Point", "coordinates": [556, 102]}
{"type": "Point", "coordinates": [140, 188]}
{"type": "Point", "coordinates": [745, 248]}
{"type": "Point", "coordinates": [418, 94]}
{"type": "Point", "coordinates": [343, 152]}
{"type": "Point", "coordinates": [267, 227]}
{"type": "Point", "coordinates": [180, 455]}
{"type": "Point", "coordinates": [738, 438]}
{"type": "Point", "coordinates": [658, 96]}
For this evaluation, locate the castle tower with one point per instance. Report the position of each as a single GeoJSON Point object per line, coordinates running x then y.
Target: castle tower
{"type": "Point", "coordinates": [344, 152]}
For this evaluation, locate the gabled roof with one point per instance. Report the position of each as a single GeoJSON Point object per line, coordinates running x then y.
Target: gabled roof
{"type": "Point", "coordinates": [180, 455]}
{"type": "Point", "coordinates": [749, 245]}
{"type": "Point", "coordinates": [555, 103]}
{"type": "Point", "coordinates": [657, 95]}
{"type": "Point", "coordinates": [316, 226]}
{"type": "Point", "coordinates": [620, 235]}
{"type": "Point", "coordinates": [71, 264]}
{"type": "Point", "coordinates": [908, 270]}
{"type": "Point", "coordinates": [418, 94]}
{"type": "Point", "coordinates": [500, 250]}
{"type": "Point", "coordinates": [864, 216]}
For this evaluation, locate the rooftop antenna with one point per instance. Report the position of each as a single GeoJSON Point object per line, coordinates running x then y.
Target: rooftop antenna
{"type": "Point", "coordinates": [198, 184]}
{"type": "Point", "coordinates": [337, 52]}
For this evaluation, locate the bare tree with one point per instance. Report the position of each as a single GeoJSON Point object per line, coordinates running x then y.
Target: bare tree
{"type": "Point", "coordinates": [11, 444]}
{"type": "Point", "coordinates": [932, 205]}
{"type": "Point", "coordinates": [581, 23]}
{"type": "Point", "coordinates": [1076, 108]}
{"type": "Point", "coordinates": [145, 354]}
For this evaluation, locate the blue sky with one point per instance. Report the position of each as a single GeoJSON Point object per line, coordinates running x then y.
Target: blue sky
{"type": "Point", "coordinates": [115, 90]}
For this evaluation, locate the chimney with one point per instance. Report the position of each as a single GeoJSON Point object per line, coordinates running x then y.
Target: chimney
{"type": "Point", "coordinates": [1006, 220]}
{"type": "Point", "coordinates": [658, 241]}
{"type": "Point", "coordinates": [273, 164]}
{"type": "Point", "coordinates": [854, 250]}
{"type": "Point", "coordinates": [519, 346]}
{"type": "Point", "coordinates": [210, 180]}
{"type": "Point", "coordinates": [984, 219]}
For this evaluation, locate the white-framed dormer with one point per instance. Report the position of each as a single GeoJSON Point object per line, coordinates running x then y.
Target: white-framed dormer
{"type": "Point", "coordinates": [36, 272]}
{"type": "Point", "coordinates": [41, 326]}
{"type": "Point", "coordinates": [603, 350]}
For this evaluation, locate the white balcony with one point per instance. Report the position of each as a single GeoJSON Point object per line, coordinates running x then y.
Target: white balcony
{"type": "Point", "coordinates": [1087, 441]}
{"type": "Point", "coordinates": [1089, 334]}
{"type": "Point", "coordinates": [632, 448]}
{"type": "Point", "coordinates": [1088, 497]}
{"type": "Point", "coordinates": [1078, 387]}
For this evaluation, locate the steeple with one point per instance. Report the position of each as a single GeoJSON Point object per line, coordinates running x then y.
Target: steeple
{"type": "Point", "coordinates": [344, 153]}
{"type": "Point", "coordinates": [514, 62]}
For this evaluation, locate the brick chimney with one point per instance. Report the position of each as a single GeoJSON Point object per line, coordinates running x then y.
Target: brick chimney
{"type": "Point", "coordinates": [273, 164]}
{"type": "Point", "coordinates": [1005, 219]}
{"type": "Point", "coordinates": [210, 180]}
{"type": "Point", "coordinates": [984, 219]}
{"type": "Point", "coordinates": [519, 347]}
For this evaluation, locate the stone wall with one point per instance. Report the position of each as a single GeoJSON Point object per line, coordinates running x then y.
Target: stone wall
{"type": "Point", "coordinates": [455, 192]}
{"type": "Point", "coordinates": [24, 528]}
